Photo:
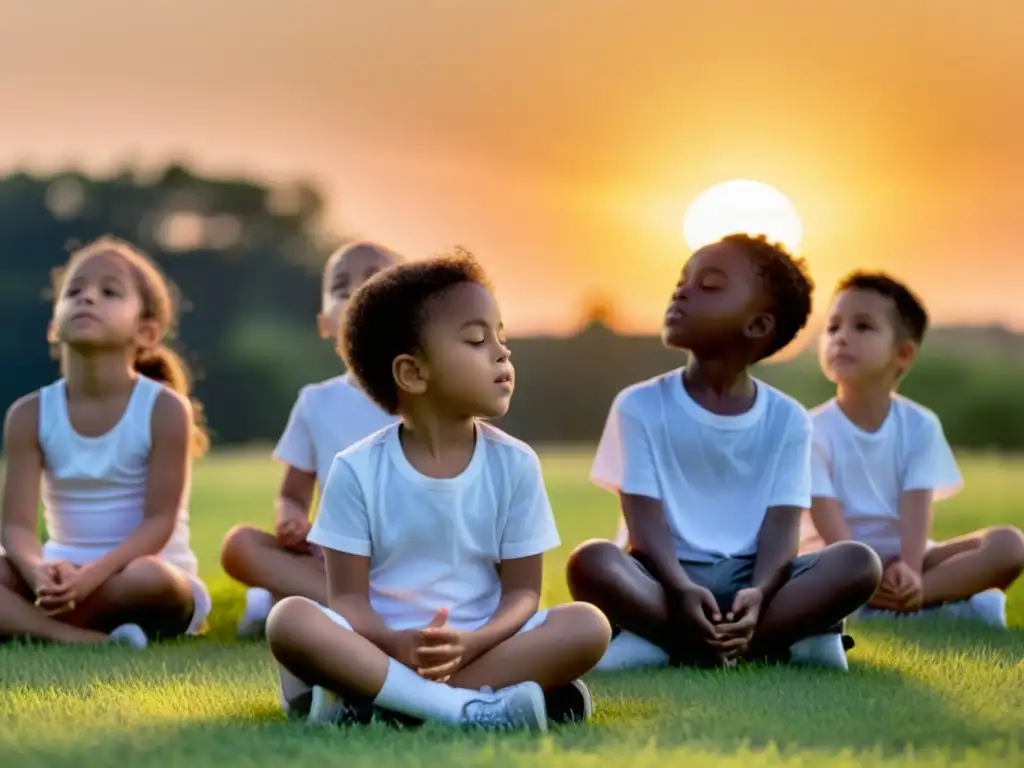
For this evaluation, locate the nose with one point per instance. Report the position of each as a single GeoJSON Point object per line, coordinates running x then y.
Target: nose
{"type": "Point", "coordinates": [504, 353]}
{"type": "Point", "coordinates": [88, 294]}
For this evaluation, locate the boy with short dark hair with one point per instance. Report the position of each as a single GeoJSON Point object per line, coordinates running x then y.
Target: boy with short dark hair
{"type": "Point", "coordinates": [327, 417]}
{"type": "Point", "coordinates": [880, 461]}
{"type": "Point", "coordinates": [434, 530]}
{"type": "Point", "coordinates": [712, 468]}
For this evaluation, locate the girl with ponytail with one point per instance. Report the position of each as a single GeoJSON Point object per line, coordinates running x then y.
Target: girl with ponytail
{"type": "Point", "coordinates": [111, 444]}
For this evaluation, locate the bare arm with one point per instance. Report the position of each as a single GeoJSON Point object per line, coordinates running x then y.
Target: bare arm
{"type": "Point", "coordinates": [166, 479]}
{"type": "Point", "coordinates": [20, 514]}
{"type": "Point", "coordinates": [649, 534]}
{"type": "Point", "coordinates": [915, 526]}
{"type": "Point", "coordinates": [295, 496]}
{"type": "Point", "coordinates": [521, 581]}
{"type": "Point", "coordinates": [348, 593]}
{"type": "Point", "coordinates": [827, 515]}
{"type": "Point", "coordinates": [777, 544]}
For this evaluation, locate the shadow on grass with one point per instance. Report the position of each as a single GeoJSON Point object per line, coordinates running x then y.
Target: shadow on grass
{"type": "Point", "coordinates": [943, 635]}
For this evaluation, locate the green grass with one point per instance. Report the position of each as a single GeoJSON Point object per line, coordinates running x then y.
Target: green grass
{"type": "Point", "coordinates": [917, 694]}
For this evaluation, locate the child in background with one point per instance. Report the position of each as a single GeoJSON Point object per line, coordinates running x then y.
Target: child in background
{"type": "Point", "coordinates": [881, 461]}
{"type": "Point", "coordinates": [327, 418]}
{"type": "Point", "coordinates": [712, 468]}
{"type": "Point", "coordinates": [112, 442]}
{"type": "Point", "coordinates": [434, 531]}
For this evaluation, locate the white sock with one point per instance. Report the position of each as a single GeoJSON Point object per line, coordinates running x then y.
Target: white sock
{"type": "Point", "coordinates": [406, 692]}
{"type": "Point", "coordinates": [630, 651]}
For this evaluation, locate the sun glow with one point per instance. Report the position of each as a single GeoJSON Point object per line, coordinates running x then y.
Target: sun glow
{"type": "Point", "coordinates": [742, 206]}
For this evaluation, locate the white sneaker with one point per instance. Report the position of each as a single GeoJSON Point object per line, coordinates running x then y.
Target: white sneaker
{"type": "Point", "coordinates": [820, 651]}
{"type": "Point", "coordinates": [258, 603]}
{"type": "Point", "coordinates": [988, 607]}
{"type": "Point", "coordinates": [630, 651]}
{"type": "Point", "coordinates": [130, 634]}
{"type": "Point", "coordinates": [518, 707]}
{"type": "Point", "coordinates": [328, 708]}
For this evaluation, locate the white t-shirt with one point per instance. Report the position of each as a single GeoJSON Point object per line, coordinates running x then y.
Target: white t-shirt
{"type": "Point", "coordinates": [867, 472]}
{"type": "Point", "coordinates": [436, 543]}
{"type": "Point", "coordinates": [326, 419]}
{"type": "Point", "coordinates": [716, 476]}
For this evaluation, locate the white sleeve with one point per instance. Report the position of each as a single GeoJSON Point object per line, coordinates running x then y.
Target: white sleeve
{"type": "Point", "coordinates": [296, 447]}
{"type": "Point", "coordinates": [931, 465]}
{"type": "Point", "coordinates": [821, 466]}
{"type": "Point", "coordinates": [791, 486]}
{"type": "Point", "coordinates": [624, 462]}
{"type": "Point", "coordinates": [342, 522]}
{"type": "Point", "coordinates": [530, 527]}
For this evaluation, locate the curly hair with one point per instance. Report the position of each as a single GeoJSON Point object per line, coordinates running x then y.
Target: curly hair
{"type": "Point", "coordinates": [911, 316]}
{"type": "Point", "coordinates": [386, 315]}
{"type": "Point", "coordinates": [789, 285]}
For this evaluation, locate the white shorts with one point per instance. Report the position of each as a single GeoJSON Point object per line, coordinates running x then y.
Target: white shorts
{"type": "Point", "coordinates": [292, 687]}
{"type": "Point", "coordinates": [202, 602]}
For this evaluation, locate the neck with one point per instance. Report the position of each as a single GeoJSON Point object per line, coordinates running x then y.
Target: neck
{"type": "Point", "coordinates": [865, 405]}
{"type": "Point", "coordinates": [720, 377]}
{"type": "Point", "coordinates": [96, 373]}
{"type": "Point", "coordinates": [436, 444]}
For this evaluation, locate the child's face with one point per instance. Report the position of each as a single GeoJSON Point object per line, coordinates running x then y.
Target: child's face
{"type": "Point", "coordinates": [99, 304]}
{"type": "Point", "coordinates": [718, 302]}
{"type": "Point", "coordinates": [860, 343]}
{"type": "Point", "coordinates": [341, 279]}
{"type": "Point", "coordinates": [468, 369]}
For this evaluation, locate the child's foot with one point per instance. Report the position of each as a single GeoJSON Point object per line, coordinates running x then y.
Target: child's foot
{"type": "Point", "coordinates": [569, 703]}
{"type": "Point", "coordinates": [327, 707]}
{"type": "Point", "coordinates": [516, 707]}
{"type": "Point", "coordinates": [253, 622]}
{"type": "Point", "coordinates": [988, 607]}
{"type": "Point", "coordinates": [258, 603]}
{"type": "Point", "coordinates": [825, 651]}
{"type": "Point", "coordinates": [630, 651]}
{"type": "Point", "coordinates": [130, 634]}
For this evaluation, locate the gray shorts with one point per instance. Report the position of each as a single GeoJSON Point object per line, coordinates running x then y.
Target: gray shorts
{"type": "Point", "coordinates": [728, 576]}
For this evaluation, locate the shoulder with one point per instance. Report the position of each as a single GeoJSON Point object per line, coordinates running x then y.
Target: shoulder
{"type": "Point", "coordinates": [369, 449]}
{"type": "Point", "coordinates": [638, 398]}
{"type": "Point", "coordinates": [509, 452]}
{"type": "Point", "coordinates": [172, 412]}
{"type": "Point", "coordinates": [323, 389]}
{"type": "Point", "coordinates": [786, 413]}
{"type": "Point", "coordinates": [21, 423]}
{"type": "Point", "coordinates": [914, 417]}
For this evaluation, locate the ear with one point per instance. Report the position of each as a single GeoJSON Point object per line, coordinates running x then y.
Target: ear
{"type": "Point", "coordinates": [761, 327]}
{"type": "Point", "coordinates": [410, 374]}
{"type": "Point", "coordinates": [906, 353]}
{"type": "Point", "coordinates": [148, 335]}
{"type": "Point", "coordinates": [323, 326]}
{"type": "Point", "coordinates": [51, 333]}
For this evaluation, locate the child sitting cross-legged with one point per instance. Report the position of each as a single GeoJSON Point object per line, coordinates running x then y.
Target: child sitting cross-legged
{"type": "Point", "coordinates": [433, 532]}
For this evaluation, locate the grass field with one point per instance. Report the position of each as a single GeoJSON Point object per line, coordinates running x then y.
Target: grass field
{"type": "Point", "coordinates": [917, 694]}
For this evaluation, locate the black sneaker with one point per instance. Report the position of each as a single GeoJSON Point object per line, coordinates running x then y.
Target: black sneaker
{"type": "Point", "coordinates": [569, 703]}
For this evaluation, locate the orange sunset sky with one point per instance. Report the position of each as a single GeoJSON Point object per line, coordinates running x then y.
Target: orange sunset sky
{"type": "Point", "coordinates": [562, 140]}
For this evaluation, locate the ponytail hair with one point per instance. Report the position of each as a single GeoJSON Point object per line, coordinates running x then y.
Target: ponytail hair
{"type": "Point", "coordinates": [163, 364]}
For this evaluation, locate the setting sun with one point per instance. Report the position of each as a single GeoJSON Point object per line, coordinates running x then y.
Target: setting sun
{"type": "Point", "coordinates": [742, 206]}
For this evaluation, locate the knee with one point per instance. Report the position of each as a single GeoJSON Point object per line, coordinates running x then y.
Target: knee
{"type": "Point", "coordinates": [588, 567]}
{"type": "Point", "coordinates": [1005, 545]}
{"type": "Point", "coordinates": [588, 626]}
{"type": "Point", "coordinates": [286, 622]}
{"type": "Point", "coordinates": [157, 581]}
{"type": "Point", "coordinates": [861, 565]}
{"type": "Point", "coordinates": [237, 547]}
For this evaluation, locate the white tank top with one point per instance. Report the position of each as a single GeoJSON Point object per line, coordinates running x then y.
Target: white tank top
{"type": "Point", "coordinates": [94, 488]}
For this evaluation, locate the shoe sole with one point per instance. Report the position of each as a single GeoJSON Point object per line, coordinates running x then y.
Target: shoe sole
{"type": "Point", "coordinates": [585, 697]}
